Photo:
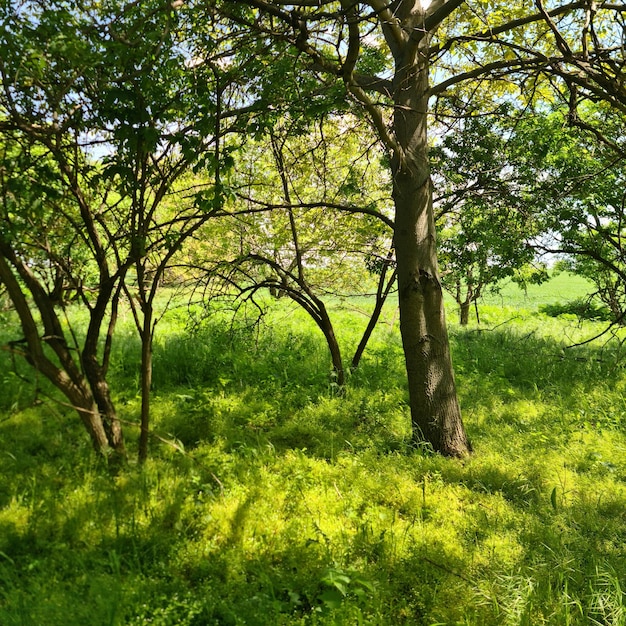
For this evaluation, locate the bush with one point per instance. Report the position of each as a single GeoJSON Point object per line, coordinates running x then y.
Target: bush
{"type": "Point", "coordinates": [581, 308]}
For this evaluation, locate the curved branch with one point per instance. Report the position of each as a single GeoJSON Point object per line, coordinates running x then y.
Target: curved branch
{"type": "Point", "coordinates": [513, 65]}
{"type": "Point", "coordinates": [267, 206]}
{"type": "Point", "coordinates": [510, 26]}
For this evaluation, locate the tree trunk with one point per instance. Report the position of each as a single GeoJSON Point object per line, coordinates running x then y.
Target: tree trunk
{"type": "Point", "coordinates": [335, 355]}
{"type": "Point", "coordinates": [104, 405]}
{"type": "Point", "coordinates": [146, 381]}
{"type": "Point", "coordinates": [67, 378]}
{"type": "Point", "coordinates": [465, 311]}
{"type": "Point", "coordinates": [87, 409]}
{"type": "Point", "coordinates": [381, 297]}
{"type": "Point", "coordinates": [326, 327]}
{"type": "Point", "coordinates": [305, 298]}
{"type": "Point", "coordinates": [435, 411]}
{"type": "Point", "coordinates": [95, 373]}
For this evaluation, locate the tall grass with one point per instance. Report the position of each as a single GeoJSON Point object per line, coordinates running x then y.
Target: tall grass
{"type": "Point", "coordinates": [293, 504]}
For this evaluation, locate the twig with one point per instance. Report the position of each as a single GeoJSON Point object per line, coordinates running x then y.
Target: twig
{"type": "Point", "coordinates": [604, 332]}
{"type": "Point", "coordinates": [446, 569]}
{"type": "Point", "coordinates": [480, 330]}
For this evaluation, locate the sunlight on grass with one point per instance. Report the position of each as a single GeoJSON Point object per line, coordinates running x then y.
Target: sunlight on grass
{"type": "Point", "coordinates": [293, 504]}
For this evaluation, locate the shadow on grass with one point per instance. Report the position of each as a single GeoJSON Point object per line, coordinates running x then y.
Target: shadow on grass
{"type": "Point", "coordinates": [300, 506]}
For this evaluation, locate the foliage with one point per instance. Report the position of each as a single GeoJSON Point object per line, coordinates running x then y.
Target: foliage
{"type": "Point", "coordinates": [583, 175]}
{"type": "Point", "coordinates": [310, 221]}
{"type": "Point", "coordinates": [125, 99]}
{"type": "Point", "coordinates": [102, 121]}
{"type": "Point", "coordinates": [584, 309]}
{"type": "Point", "coordinates": [487, 206]}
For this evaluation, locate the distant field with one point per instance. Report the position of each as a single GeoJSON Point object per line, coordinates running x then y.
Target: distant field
{"type": "Point", "coordinates": [564, 287]}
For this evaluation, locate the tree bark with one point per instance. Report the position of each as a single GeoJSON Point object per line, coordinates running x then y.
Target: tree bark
{"type": "Point", "coordinates": [67, 378]}
{"type": "Point", "coordinates": [326, 327]}
{"type": "Point", "coordinates": [95, 371]}
{"type": "Point", "coordinates": [435, 411]}
{"type": "Point", "coordinates": [317, 310]}
{"type": "Point", "coordinates": [382, 292]}
{"type": "Point", "coordinates": [146, 381]}
{"type": "Point", "coordinates": [464, 312]}
{"type": "Point", "coordinates": [104, 404]}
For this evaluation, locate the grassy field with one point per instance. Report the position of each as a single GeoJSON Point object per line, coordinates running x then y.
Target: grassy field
{"type": "Point", "coordinates": [282, 502]}
{"type": "Point", "coordinates": [562, 288]}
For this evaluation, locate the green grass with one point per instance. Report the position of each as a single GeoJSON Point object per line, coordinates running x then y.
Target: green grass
{"type": "Point", "coordinates": [293, 505]}
{"type": "Point", "coordinates": [563, 287]}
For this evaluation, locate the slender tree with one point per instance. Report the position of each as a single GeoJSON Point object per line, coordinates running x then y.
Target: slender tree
{"type": "Point", "coordinates": [584, 173]}
{"type": "Point", "coordinates": [41, 255]}
{"type": "Point", "coordinates": [103, 114]}
{"type": "Point", "coordinates": [312, 222]}
{"type": "Point", "coordinates": [488, 204]}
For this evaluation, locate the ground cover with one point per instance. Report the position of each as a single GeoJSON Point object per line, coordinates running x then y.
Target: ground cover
{"type": "Point", "coordinates": [284, 501]}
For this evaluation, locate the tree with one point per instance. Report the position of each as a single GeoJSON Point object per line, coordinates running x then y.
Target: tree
{"type": "Point", "coordinates": [585, 175]}
{"type": "Point", "coordinates": [312, 222]}
{"type": "Point", "coordinates": [122, 82]}
{"type": "Point", "coordinates": [381, 53]}
{"type": "Point", "coordinates": [35, 215]}
{"type": "Point", "coordinates": [434, 406]}
{"type": "Point", "coordinates": [487, 205]}
{"type": "Point", "coordinates": [101, 115]}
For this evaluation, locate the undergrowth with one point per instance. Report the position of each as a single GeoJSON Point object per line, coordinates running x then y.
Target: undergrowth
{"type": "Point", "coordinates": [285, 502]}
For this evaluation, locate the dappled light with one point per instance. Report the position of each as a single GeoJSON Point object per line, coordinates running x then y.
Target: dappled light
{"type": "Point", "coordinates": [270, 495]}
{"type": "Point", "coordinates": [312, 312]}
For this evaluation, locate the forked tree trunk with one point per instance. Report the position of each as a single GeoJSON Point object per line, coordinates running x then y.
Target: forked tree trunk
{"type": "Point", "coordinates": [95, 372]}
{"type": "Point", "coordinates": [103, 429]}
{"type": "Point", "coordinates": [435, 411]}
{"type": "Point", "coordinates": [84, 404]}
{"type": "Point", "coordinates": [104, 406]}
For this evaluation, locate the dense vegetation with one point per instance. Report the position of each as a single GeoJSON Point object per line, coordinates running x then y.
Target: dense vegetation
{"type": "Point", "coordinates": [245, 144]}
{"type": "Point", "coordinates": [204, 208]}
{"type": "Point", "coordinates": [272, 499]}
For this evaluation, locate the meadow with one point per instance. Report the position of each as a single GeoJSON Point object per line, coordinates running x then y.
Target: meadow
{"type": "Point", "coordinates": [270, 498]}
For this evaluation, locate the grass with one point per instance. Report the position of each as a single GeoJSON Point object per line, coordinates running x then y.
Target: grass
{"type": "Point", "coordinates": [562, 288]}
{"type": "Point", "coordinates": [293, 505]}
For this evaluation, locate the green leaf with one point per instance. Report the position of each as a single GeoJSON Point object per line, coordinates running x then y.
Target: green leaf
{"type": "Point", "coordinates": [331, 598]}
{"type": "Point", "coordinates": [553, 499]}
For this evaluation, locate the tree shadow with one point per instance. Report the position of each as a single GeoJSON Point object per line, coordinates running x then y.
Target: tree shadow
{"type": "Point", "coordinates": [294, 503]}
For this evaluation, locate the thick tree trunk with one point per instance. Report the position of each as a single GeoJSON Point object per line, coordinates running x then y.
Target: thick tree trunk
{"type": "Point", "coordinates": [435, 411]}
